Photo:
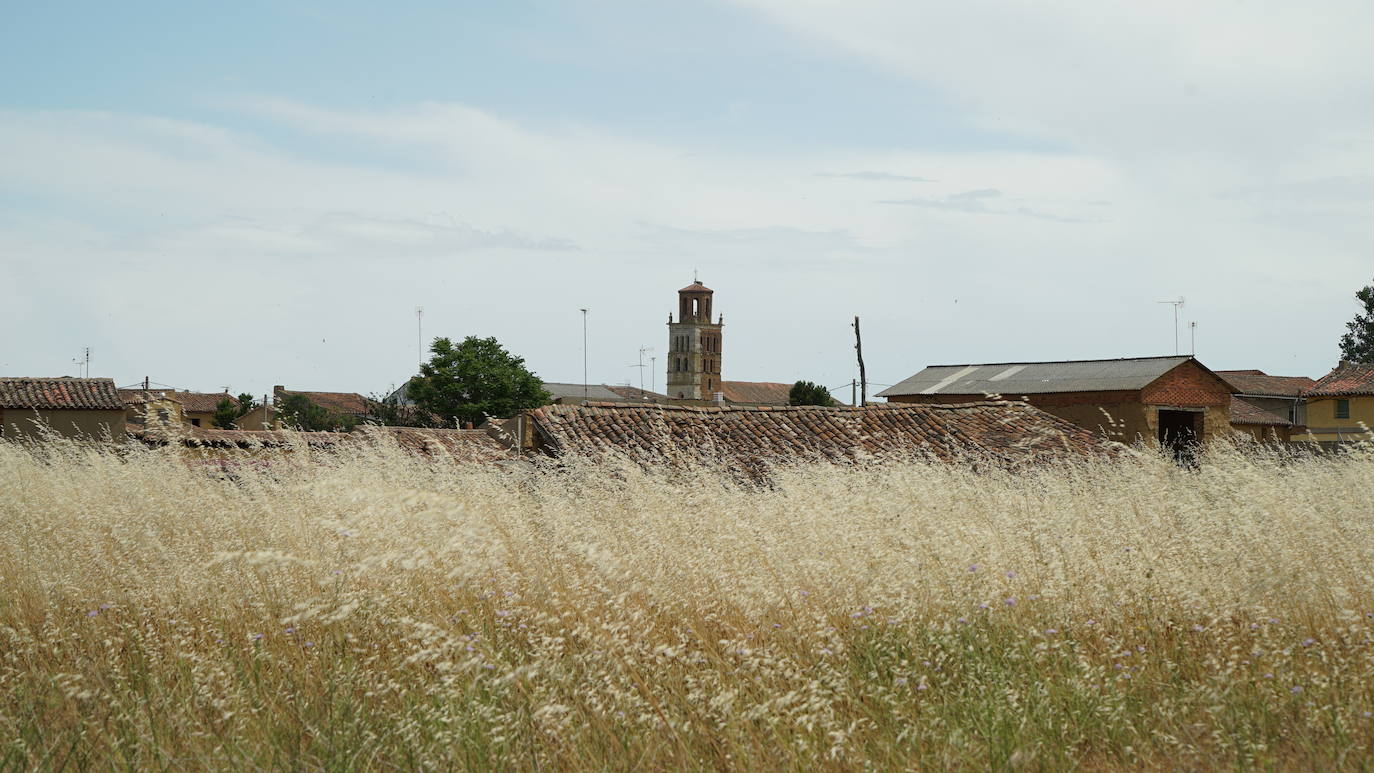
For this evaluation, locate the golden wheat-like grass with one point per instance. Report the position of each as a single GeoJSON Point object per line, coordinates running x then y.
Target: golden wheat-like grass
{"type": "Point", "coordinates": [370, 610]}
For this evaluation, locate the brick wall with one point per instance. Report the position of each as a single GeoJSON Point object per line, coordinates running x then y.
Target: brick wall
{"type": "Point", "coordinates": [1187, 385]}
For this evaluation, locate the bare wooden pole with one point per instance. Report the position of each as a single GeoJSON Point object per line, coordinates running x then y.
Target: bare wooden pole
{"type": "Point", "coordinates": [863, 379]}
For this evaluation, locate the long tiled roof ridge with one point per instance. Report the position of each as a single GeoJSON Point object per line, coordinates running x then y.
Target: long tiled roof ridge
{"type": "Point", "coordinates": [751, 438]}
{"type": "Point", "coordinates": [61, 393]}
{"type": "Point", "coordinates": [1245, 412]}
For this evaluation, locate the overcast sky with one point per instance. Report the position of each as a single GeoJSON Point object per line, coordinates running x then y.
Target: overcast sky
{"type": "Point", "coordinates": [247, 194]}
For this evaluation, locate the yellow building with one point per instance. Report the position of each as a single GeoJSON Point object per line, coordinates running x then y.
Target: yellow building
{"type": "Point", "coordinates": [1340, 406]}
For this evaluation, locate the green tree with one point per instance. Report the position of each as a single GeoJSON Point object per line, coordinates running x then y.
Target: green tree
{"type": "Point", "coordinates": [1358, 344]}
{"type": "Point", "coordinates": [475, 379]}
{"type": "Point", "coordinates": [297, 412]}
{"type": "Point", "coordinates": [246, 403]}
{"type": "Point", "coordinates": [808, 393]}
{"type": "Point", "coordinates": [225, 413]}
{"type": "Point", "coordinates": [388, 412]}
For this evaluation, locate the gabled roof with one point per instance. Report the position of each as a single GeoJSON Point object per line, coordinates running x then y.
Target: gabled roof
{"type": "Point", "coordinates": [763, 392]}
{"type": "Point", "coordinates": [637, 394]}
{"type": "Point", "coordinates": [562, 391]}
{"type": "Point", "coordinates": [1245, 411]}
{"type": "Point", "coordinates": [750, 438]}
{"type": "Point", "coordinates": [203, 402]}
{"type": "Point", "coordinates": [1029, 378]}
{"type": "Point", "coordinates": [696, 287]}
{"type": "Point", "coordinates": [334, 402]}
{"type": "Point", "coordinates": [1349, 379]}
{"type": "Point", "coordinates": [49, 394]}
{"type": "Point", "coordinates": [1257, 382]}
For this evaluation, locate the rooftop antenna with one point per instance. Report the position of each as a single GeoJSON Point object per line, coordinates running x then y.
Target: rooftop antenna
{"type": "Point", "coordinates": [1192, 338]}
{"type": "Point", "coordinates": [419, 334]}
{"type": "Point", "coordinates": [695, 279]}
{"type": "Point", "coordinates": [653, 374]}
{"type": "Point", "coordinates": [584, 353]}
{"type": "Point", "coordinates": [1178, 304]}
{"type": "Point", "coordinates": [83, 365]}
{"type": "Point", "coordinates": [643, 350]}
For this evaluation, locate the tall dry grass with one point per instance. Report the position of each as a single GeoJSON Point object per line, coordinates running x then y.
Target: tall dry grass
{"type": "Point", "coordinates": [368, 610]}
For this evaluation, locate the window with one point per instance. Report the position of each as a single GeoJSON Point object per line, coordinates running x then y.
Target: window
{"type": "Point", "coordinates": [1342, 409]}
{"type": "Point", "coordinates": [195, 422]}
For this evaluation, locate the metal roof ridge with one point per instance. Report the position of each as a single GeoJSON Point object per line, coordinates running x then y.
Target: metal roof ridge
{"type": "Point", "coordinates": [1064, 362]}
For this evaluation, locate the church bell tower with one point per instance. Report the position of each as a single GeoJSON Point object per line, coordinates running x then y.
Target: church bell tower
{"type": "Point", "coordinates": [694, 346]}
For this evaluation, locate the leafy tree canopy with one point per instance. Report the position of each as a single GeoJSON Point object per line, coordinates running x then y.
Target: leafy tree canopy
{"type": "Point", "coordinates": [246, 403]}
{"type": "Point", "coordinates": [475, 379]}
{"type": "Point", "coordinates": [225, 413]}
{"type": "Point", "coordinates": [809, 393]}
{"type": "Point", "coordinates": [1357, 345]}
{"type": "Point", "coordinates": [297, 412]}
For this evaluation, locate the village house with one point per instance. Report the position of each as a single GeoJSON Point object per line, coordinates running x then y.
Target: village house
{"type": "Point", "coordinates": [1267, 408]}
{"type": "Point", "coordinates": [1173, 401]}
{"type": "Point", "coordinates": [199, 407]}
{"type": "Point", "coordinates": [151, 409]}
{"type": "Point", "coordinates": [71, 407]}
{"type": "Point", "coordinates": [1340, 406]}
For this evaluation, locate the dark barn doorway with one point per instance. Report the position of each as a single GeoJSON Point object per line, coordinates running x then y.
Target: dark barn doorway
{"type": "Point", "coordinates": [1180, 432]}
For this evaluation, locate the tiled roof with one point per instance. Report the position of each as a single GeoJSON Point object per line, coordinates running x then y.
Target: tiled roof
{"type": "Point", "coordinates": [457, 445]}
{"type": "Point", "coordinates": [1257, 382]}
{"type": "Point", "coordinates": [749, 438]}
{"type": "Point", "coordinates": [575, 392]}
{"type": "Point", "coordinates": [1028, 378]}
{"type": "Point", "coordinates": [635, 393]}
{"type": "Point", "coordinates": [463, 445]}
{"type": "Point", "coordinates": [696, 287]}
{"type": "Point", "coordinates": [139, 396]}
{"type": "Point", "coordinates": [1347, 380]}
{"type": "Point", "coordinates": [334, 402]}
{"type": "Point", "coordinates": [764, 392]}
{"type": "Point", "coordinates": [1246, 412]}
{"type": "Point", "coordinates": [203, 402]}
{"type": "Point", "coordinates": [81, 394]}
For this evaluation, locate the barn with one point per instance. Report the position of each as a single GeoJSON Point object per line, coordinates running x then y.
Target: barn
{"type": "Point", "coordinates": [1172, 401]}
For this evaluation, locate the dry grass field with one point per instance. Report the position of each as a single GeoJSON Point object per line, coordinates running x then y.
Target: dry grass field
{"type": "Point", "coordinates": [371, 611]}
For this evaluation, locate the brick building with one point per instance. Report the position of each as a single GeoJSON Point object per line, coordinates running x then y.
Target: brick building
{"type": "Point", "coordinates": [694, 346]}
{"type": "Point", "coordinates": [1171, 401]}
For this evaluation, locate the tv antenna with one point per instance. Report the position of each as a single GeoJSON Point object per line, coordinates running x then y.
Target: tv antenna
{"type": "Point", "coordinates": [1178, 304]}
{"type": "Point", "coordinates": [1192, 338]}
{"type": "Point", "coordinates": [643, 350]}
{"type": "Point", "coordinates": [419, 334]}
{"type": "Point", "coordinates": [83, 365]}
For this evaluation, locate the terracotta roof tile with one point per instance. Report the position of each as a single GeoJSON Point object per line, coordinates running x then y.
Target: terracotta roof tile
{"type": "Point", "coordinates": [1245, 412]}
{"type": "Point", "coordinates": [1257, 382]}
{"type": "Point", "coordinates": [752, 437]}
{"type": "Point", "coordinates": [1349, 379]}
{"type": "Point", "coordinates": [334, 402]}
{"type": "Point", "coordinates": [203, 402]}
{"type": "Point", "coordinates": [453, 444]}
{"type": "Point", "coordinates": [767, 392]}
{"type": "Point", "coordinates": [89, 394]}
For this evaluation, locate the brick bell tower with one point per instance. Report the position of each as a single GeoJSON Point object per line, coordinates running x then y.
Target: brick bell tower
{"type": "Point", "coordinates": [694, 346]}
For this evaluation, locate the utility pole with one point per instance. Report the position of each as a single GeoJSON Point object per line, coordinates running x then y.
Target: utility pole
{"type": "Point", "coordinates": [584, 354]}
{"type": "Point", "coordinates": [853, 391]}
{"type": "Point", "coordinates": [863, 378]}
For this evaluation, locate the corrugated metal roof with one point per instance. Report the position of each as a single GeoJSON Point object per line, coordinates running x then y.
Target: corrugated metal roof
{"type": "Point", "coordinates": [1029, 378]}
